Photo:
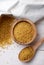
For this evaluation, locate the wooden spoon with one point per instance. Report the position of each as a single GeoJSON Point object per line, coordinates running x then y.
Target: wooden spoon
{"type": "Point", "coordinates": [28, 53]}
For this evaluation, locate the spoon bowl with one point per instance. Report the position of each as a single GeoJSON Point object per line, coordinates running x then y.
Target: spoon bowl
{"type": "Point", "coordinates": [29, 51]}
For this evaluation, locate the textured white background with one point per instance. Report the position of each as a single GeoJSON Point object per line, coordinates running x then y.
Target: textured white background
{"type": "Point", "coordinates": [9, 56]}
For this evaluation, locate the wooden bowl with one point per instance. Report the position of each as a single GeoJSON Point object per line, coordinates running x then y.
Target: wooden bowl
{"type": "Point", "coordinates": [29, 21]}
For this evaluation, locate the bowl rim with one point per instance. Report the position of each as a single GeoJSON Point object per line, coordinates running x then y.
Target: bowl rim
{"type": "Point", "coordinates": [29, 21]}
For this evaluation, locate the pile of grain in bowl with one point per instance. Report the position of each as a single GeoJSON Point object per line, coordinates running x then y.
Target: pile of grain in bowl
{"type": "Point", "coordinates": [26, 53]}
{"type": "Point", "coordinates": [23, 32]}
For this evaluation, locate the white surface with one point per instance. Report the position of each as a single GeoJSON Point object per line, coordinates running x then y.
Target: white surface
{"type": "Point", "coordinates": [40, 30]}
{"type": "Point", "coordinates": [23, 8]}
{"type": "Point", "coordinates": [9, 56]}
{"type": "Point", "coordinates": [6, 4]}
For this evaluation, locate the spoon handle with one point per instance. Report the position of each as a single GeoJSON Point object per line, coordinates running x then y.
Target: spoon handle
{"type": "Point", "coordinates": [36, 45]}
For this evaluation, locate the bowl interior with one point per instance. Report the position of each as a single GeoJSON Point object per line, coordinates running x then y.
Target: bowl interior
{"type": "Point", "coordinates": [28, 21]}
